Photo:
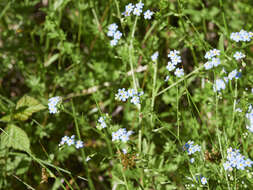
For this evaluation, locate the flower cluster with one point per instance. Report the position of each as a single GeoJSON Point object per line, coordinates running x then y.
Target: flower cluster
{"type": "Point", "coordinates": [220, 83]}
{"type": "Point", "coordinates": [190, 148]}
{"type": "Point", "coordinates": [213, 60]}
{"type": "Point", "coordinates": [137, 10]}
{"type": "Point", "coordinates": [52, 104]}
{"type": "Point", "coordinates": [122, 134]}
{"type": "Point", "coordinates": [243, 36]}
{"type": "Point", "coordinates": [102, 122]}
{"type": "Point", "coordinates": [236, 160]}
{"type": "Point", "coordinates": [113, 32]}
{"type": "Point", "coordinates": [123, 95]}
{"type": "Point", "coordinates": [175, 59]}
{"type": "Point", "coordinates": [71, 141]}
{"type": "Point", "coordinates": [249, 117]}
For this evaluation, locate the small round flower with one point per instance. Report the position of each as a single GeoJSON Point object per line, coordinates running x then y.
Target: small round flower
{"type": "Point", "coordinates": [219, 84]}
{"type": "Point", "coordinates": [140, 93]}
{"type": "Point", "coordinates": [245, 37]}
{"type": "Point", "coordinates": [131, 92]}
{"type": "Point", "coordinates": [137, 11]}
{"type": "Point", "coordinates": [124, 137]}
{"type": "Point", "coordinates": [113, 42]}
{"type": "Point", "coordinates": [215, 52]}
{"type": "Point", "coordinates": [124, 96]}
{"type": "Point", "coordinates": [173, 54]}
{"type": "Point", "coordinates": [64, 139]}
{"type": "Point", "coordinates": [176, 59]}
{"type": "Point", "coordinates": [167, 78]}
{"type": "Point", "coordinates": [227, 166]}
{"type": "Point", "coordinates": [248, 162]}
{"type": "Point", "coordinates": [179, 72]}
{"type": "Point", "coordinates": [148, 14]}
{"type": "Point", "coordinates": [238, 55]}
{"type": "Point", "coordinates": [70, 141]}
{"type": "Point", "coordinates": [135, 100]}
{"type": "Point", "coordinates": [232, 74]}
{"type": "Point", "coordinates": [110, 33]}
{"type": "Point", "coordinates": [52, 109]}
{"type": "Point", "coordinates": [139, 5]}
{"type": "Point", "coordinates": [113, 27]}
{"type": "Point", "coordinates": [154, 56]}
{"type": "Point", "coordinates": [208, 65]}
{"type": "Point", "coordinates": [235, 36]}
{"type": "Point", "coordinates": [203, 180]}
{"type": "Point", "coordinates": [124, 151]}
{"type": "Point", "coordinates": [192, 160]}
{"type": "Point", "coordinates": [215, 61]}
{"type": "Point", "coordinates": [117, 35]}
{"type": "Point", "coordinates": [129, 8]}
{"type": "Point", "coordinates": [79, 144]}
{"type": "Point", "coordinates": [115, 136]}
{"type": "Point", "coordinates": [170, 66]}
{"type": "Point", "coordinates": [209, 55]}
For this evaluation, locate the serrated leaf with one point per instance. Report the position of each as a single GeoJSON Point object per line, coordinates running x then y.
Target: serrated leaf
{"type": "Point", "coordinates": [14, 137]}
{"type": "Point", "coordinates": [28, 106]}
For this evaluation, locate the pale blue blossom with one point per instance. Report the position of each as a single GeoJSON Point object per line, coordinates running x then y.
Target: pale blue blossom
{"type": "Point", "coordinates": [179, 72]}
{"type": "Point", "coordinates": [238, 55]}
{"type": "Point", "coordinates": [148, 14]}
{"type": "Point", "coordinates": [219, 85]}
{"type": "Point", "coordinates": [154, 56]}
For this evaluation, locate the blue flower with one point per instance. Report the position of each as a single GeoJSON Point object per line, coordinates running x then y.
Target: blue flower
{"type": "Point", "coordinates": [208, 65]}
{"type": "Point", "coordinates": [171, 66]}
{"type": "Point", "coordinates": [52, 104]}
{"type": "Point", "coordinates": [179, 72]}
{"type": "Point", "coordinates": [232, 74]}
{"type": "Point", "coordinates": [139, 5]}
{"type": "Point", "coordinates": [79, 144]}
{"type": "Point", "coordinates": [154, 56]}
{"type": "Point", "coordinates": [219, 85]}
{"type": "Point", "coordinates": [148, 14]}
{"type": "Point", "coordinates": [215, 61]}
{"type": "Point", "coordinates": [135, 100]}
{"type": "Point", "coordinates": [113, 27]}
{"type": "Point", "coordinates": [137, 11]}
{"type": "Point", "coordinates": [117, 35]}
{"type": "Point", "coordinates": [203, 180]}
{"type": "Point", "coordinates": [238, 55]}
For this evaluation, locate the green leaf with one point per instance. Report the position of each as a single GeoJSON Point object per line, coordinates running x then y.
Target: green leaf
{"type": "Point", "coordinates": [14, 137]}
{"type": "Point", "coordinates": [221, 43]}
{"type": "Point", "coordinates": [51, 59]}
{"type": "Point", "coordinates": [27, 106]}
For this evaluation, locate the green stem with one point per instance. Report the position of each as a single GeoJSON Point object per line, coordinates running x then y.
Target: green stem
{"type": "Point", "coordinates": [180, 80]}
{"type": "Point", "coordinates": [91, 186]}
{"type": "Point", "coordinates": [153, 92]}
{"type": "Point", "coordinates": [223, 17]}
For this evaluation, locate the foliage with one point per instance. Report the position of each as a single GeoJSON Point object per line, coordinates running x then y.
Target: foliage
{"type": "Point", "coordinates": [62, 48]}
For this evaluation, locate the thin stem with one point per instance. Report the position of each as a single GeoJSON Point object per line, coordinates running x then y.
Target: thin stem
{"type": "Point", "coordinates": [180, 80]}
{"type": "Point", "coordinates": [153, 92]}
{"type": "Point", "coordinates": [131, 52]}
{"type": "Point", "coordinates": [91, 186]}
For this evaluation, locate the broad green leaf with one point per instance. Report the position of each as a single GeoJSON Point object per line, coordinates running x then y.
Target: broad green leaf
{"type": "Point", "coordinates": [14, 137]}
{"type": "Point", "coordinates": [28, 106]}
